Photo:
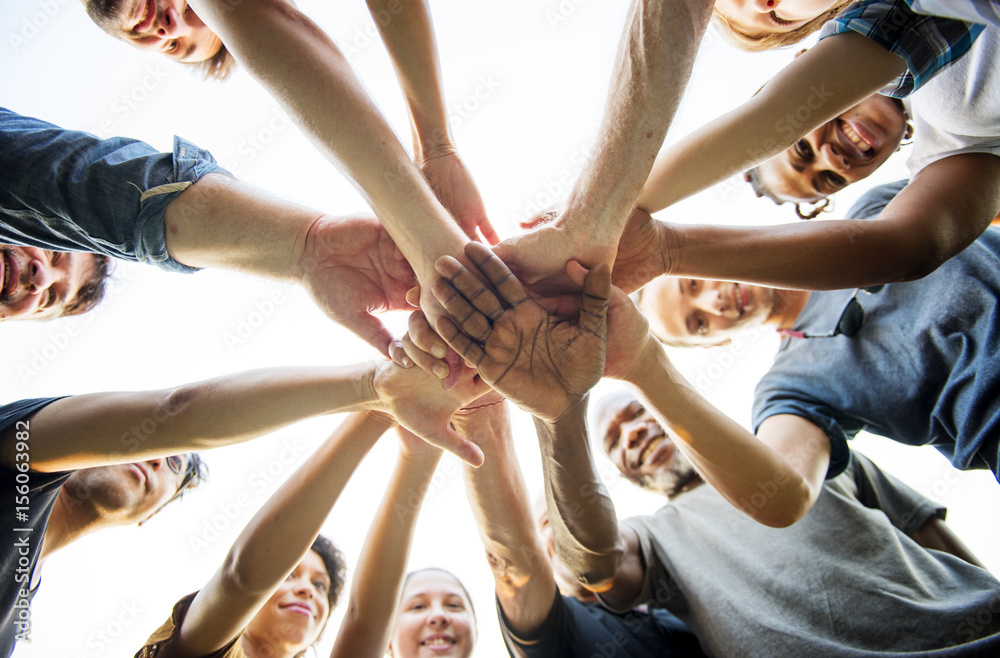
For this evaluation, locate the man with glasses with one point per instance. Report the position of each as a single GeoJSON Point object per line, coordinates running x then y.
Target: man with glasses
{"type": "Point", "coordinates": [73, 465]}
{"type": "Point", "coordinates": [912, 361]}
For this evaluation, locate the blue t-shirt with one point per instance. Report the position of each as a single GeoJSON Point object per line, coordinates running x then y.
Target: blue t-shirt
{"type": "Point", "coordinates": [28, 497]}
{"type": "Point", "coordinates": [923, 370]}
{"type": "Point", "coordinates": [574, 628]}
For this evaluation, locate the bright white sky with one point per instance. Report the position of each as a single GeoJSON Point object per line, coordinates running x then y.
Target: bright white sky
{"type": "Point", "coordinates": [526, 81]}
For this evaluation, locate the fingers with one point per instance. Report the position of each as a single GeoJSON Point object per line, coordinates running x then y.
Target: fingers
{"type": "Point", "coordinates": [423, 336]}
{"type": "Point", "coordinates": [371, 330]}
{"type": "Point", "coordinates": [489, 233]}
{"type": "Point", "coordinates": [596, 298]}
{"type": "Point", "coordinates": [398, 354]}
{"type": "Point", "coordinates": [496, 272]}
{"type": "Point", "coordinates": [455, 302]}
{"type": "Point", "coordinates": [413, 296]}
{"type": "Point", "coordinates": [464, 449]}
{"type": "Point", "coordinates": [467, 348]}
{"type": "Point", "coordinates": [576, 272]}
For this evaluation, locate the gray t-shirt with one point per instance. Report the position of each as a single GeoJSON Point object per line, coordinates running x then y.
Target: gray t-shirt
{"type": "Point", "coordinates": [843, 581]}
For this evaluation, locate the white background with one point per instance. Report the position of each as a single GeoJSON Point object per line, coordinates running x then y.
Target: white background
{"type": "Point", "coordinates": [526, 82]}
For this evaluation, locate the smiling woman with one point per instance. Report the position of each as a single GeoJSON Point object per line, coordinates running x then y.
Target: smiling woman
{"type": "Point", "coordinates": [435, 613]}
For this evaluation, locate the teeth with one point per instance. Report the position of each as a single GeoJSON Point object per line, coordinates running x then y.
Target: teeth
{"type": "Point", "coordinates": [437, 642]}
{"type": "Point", "coordinates": [648, 450]}
{"type": "Point", "coordinates": [855, 138]}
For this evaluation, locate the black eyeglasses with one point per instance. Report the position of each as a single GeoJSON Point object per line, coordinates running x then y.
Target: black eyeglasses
{"type": "Point", "coordinates": [851, 319]}
{"type": "Point", "coordinates": [189, 467]}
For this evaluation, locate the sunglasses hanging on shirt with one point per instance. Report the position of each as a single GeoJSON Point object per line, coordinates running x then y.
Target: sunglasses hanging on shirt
{"type": "Point", "coordinates": [851, 319]}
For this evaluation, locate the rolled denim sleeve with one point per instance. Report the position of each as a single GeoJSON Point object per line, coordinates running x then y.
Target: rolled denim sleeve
{"type": "Point", "coordinates": [69, 190]}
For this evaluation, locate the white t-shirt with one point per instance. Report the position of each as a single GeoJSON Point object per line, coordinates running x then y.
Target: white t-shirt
{"type": "Point", "coordinates": [974, 11]}
{"type": "Point", "coordinates": [958, 111]}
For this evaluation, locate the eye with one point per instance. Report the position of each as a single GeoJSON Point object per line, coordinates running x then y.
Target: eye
{"type": "Point", "coordinates": [172, 47]}
{"type": "Point", "coordinates": [321, 585]}
{"type": "Point", "coordinates": [777, 20]}
{"type": "Point", "coordinates": [803, 149]}
{"type": "Point", "coordinates": [701, 327]}
{"type": "Point", "coordinates": [835, 179]}
{"type": "Point", "coordinates": [693, 285]}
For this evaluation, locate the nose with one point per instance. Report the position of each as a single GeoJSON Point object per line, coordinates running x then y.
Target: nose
{"type": "Point", "coordinates": [764, 6]}
{"type": "Point", "coordinates": [171, 25]}
{"type": "Point", "coordinates": [833, 159]}
{"type": "Point", "coordinates": [710, 300]}
{"type": "Point", "coordinates": [634, 434]}
{"type": "Point", "coordinates": [40, 277]}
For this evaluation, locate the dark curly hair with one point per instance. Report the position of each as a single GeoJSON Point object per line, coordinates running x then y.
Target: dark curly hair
{"type": "Point", "coordinates": [336, 569]}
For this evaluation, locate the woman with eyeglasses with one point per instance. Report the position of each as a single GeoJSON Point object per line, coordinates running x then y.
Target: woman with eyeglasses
{"type": "Point", "coordinates": [273, 594]}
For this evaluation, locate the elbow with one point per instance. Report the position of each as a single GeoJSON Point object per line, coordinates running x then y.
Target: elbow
{"type": "Point", "coordinates": [237, 573]}
{"type": "Point", "coordinates": [780, 507]}
{"type": "Point", "coordinates": [597, 572]}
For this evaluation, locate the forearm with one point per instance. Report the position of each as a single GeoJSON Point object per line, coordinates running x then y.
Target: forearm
{"type": "Point", "coordinates": [815, 255]}
{"type": "Point", "coordinates": [831, 77]}
{"type": "Point", "coordinates": [408, 34]}
{"type": "Point", "coordinates": [501, 505]}
{"type": "Point", "coordinates": [731, 459]}
{"type": "Point", "coordinates": [101, 428]}
{"type": "Point", "coordinates": [307, 73]}
{"type": "Point", "coordinates": [581, 513]}
{"type": "Point", "coordinates": [224, 223]}
{"type": "Point", "coordinates": [378, 580]}
{"type": "Point", "coordinates": [276, 538]}
{"type": "Point", "coordinates": [654, 62]}
{"type": "Point", "coordinates": [274, 541]}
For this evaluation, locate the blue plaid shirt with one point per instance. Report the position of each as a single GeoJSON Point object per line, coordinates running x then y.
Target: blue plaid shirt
{"type": "Point", "coordinates": [926, 43]}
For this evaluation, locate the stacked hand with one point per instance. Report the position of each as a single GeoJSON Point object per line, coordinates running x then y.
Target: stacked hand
{"type": "Point", "coordinates": [453, 186]}
{"type": "Point", "coordinates": [542, 363]}
{"type": "Point", "coordinates": [352, 269]}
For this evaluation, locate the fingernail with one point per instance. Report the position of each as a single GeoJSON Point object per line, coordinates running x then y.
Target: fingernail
{"type": "Point", "coordinates": [440, 372]}
{"type": "Point", "coordinates": [406, 362]}
{"type": "Point", "coordinates": [439, 351]}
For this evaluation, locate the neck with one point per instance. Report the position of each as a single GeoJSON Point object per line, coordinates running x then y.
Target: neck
{"type": "Point", "coordinates": [69, 521]}
{"type": "Point", "coordinates": [788, 304]}
{"type": "Point", "coordinates": [256, 646]}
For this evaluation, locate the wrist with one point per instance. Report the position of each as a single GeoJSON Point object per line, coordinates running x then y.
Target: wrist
{"type": "Point", "coordinates": [573, 413]}
{"type": "Point", "coordinates": [646, 363]}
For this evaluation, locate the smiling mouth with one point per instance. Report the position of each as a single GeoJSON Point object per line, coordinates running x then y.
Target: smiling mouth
{"type": "Point", "coordinates": [864, 149]}
{"type": "Point", "coordinates": [300, 609]}
{"type": "Point", "coordinates": [146, 16]}
{"type": "Point", "coordinates": [438, 641]}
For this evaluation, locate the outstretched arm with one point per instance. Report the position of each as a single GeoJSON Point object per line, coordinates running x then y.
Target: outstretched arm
{"type": "Point", "coordinates": [525, 586]}
{"type": "Point", "coordinates": [378, 580]}
{"type": "Point", "coordinates": [654, 61]}
{"type": "Point", "coordinates": [276, 539]}
{"type": "Point", "coordinates": [406, 29]}
{"type": "Point", "coordinates": [299, 64]}
{"type": "Point", "coordinates": [834, 75]}
{"type": "Point", "coordinates": [946, 206]}
{"type": "Point", "coordinates": [347, 264]}
{"type": "Point", "coordinates": [114, 428]}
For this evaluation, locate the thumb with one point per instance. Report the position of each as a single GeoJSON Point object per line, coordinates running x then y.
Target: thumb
{"type": "Point", "coordinates": [596, 298]}
{"type": "Point", "coordinates": [449, 440]}
{"type": "Point", "coordinates": [371, 330]}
